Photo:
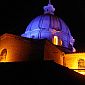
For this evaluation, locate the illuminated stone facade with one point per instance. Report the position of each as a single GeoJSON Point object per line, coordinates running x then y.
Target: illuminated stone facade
{"type": "Point", "coordinates": [76, 61]}
{"type": "Point", "coordinates": [15, 46]}
{"type": "Point", "coordinates": [18, 49]}
{"type": "Point", "coordinates": [23, 49]}
{"type": "Point", "coordinates": [46, 38]}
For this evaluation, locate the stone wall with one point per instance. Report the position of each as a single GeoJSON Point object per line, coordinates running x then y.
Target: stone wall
{"type": "Point", "coordinates": [51, 52]}
{"type": "Point", "coordinates": [18, 49]}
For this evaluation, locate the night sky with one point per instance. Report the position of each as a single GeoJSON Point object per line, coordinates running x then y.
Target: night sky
{"type": "Point", "coordinates": [16, 15]}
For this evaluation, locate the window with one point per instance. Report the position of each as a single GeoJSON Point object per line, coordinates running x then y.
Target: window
{"type": "Point", "coordinates": [57, 41]}
{"type": "Point", "coordinates": [81, 65]}
{"type": "Point", "coordinates": [3, 54]}
{"type": "Point", "coordinates": [33, 36]}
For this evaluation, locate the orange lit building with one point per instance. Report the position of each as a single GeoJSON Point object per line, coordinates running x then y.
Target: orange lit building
{"type": "Point", "coordinates": [47, 37]}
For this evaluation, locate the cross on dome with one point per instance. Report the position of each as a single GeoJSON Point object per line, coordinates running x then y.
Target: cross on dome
{"type": "Point", "coordinates": [49, 2]}
{"type": "Point", "coordinates": [49, 9]}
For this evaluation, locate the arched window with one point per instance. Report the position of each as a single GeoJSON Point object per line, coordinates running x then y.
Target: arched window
{"type": "Point", "coordinates": [57, 41]}
{"type": "Point", "coordinates": [3, 54]}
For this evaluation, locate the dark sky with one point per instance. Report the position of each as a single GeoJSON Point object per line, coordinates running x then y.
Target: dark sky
{"type": "Point", "coordinates": [15, 16]}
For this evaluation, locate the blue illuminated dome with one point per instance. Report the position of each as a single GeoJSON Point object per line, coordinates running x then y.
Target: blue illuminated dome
{"type": "Point", "coordinates": [47, 26]}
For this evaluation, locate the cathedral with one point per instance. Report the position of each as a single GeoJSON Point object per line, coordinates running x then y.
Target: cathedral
{"type": "Point", "coordinates": [47, 37]}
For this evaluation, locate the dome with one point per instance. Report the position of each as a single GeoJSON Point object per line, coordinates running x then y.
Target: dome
{"type": "Point", "coordinates": [41, 26]}
{"type": "Point", "coordinates": [47, 26]}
